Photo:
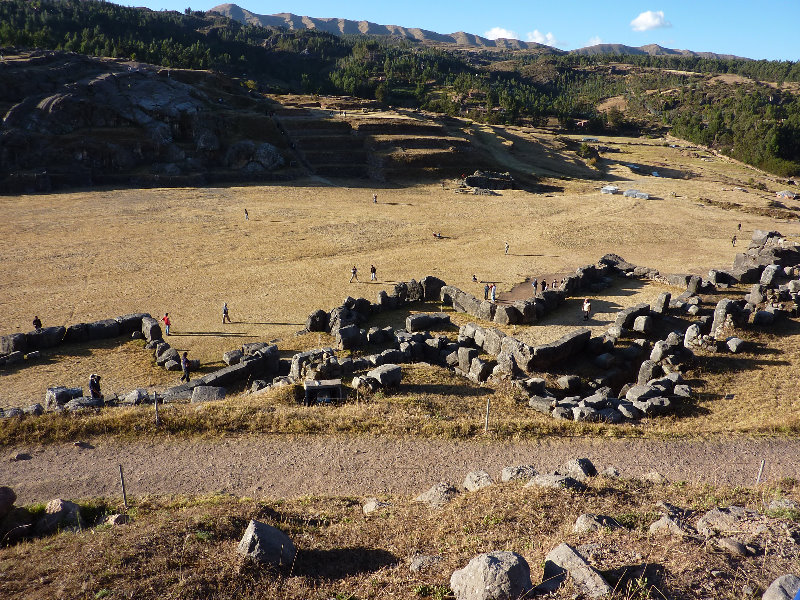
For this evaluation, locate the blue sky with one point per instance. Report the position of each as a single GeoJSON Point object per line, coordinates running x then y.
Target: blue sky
{"type": "Point", "coordinates": [750, 28]}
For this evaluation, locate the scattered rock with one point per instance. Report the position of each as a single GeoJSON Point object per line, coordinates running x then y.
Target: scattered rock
{"type": "Point", "coordinates": [499, 575]}
{"type": "Point", "coordinates": [586, 523]}
{"type": "Point", "coordinates": [263, 543]}
{"type": "Point", "coordinates": [654, 477]}
{"type": "Point", "coordinates": [115, 520]}
{"type": "Point", "coordinates": [372, 505]}
{"type": "Point", "coordinates": [555, 481]}
{"type": "Point", "coordinates": [563, 561]}
{"type": "Point", "coordinates": [732, 545]}
{"type": "Point", "coordinates": [438, 495]}
{"type": "Point", "coordinates": [667, 525]}
{"type": "Point", "coordinates": [423, 562]}
{"type": "Point", "coordinates": [519, 472]}
{"type": "Point", "coordinates": [579, 468]}
{"type": "Point", "coordinates": [58, 515]}
{"type": "Point", "coordinates": [476, 480]}
{"type": "Point", "coordinates": [783, 588]}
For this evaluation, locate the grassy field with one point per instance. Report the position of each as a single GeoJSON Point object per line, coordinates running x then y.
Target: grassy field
{"type": "Point", "coordinates": [82, 256]}
{"type": "Point", "coordinates": [185, 547]}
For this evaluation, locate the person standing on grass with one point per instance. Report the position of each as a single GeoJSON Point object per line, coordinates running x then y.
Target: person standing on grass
{"type": "Point", "coordinates": [225, 315]}
{"type": "Point", "coordinates": [486, 292]}
{"type": "Point", "coordinates": [246, 215]}
{"type": "Point", "coordinates": [494, 292]}
{"type": "Point", "coordinates": [373, 273]}
{"type": "Point", "coordinates": [37, 323]}
{"type": "Point", "coordinates": [587, 309]}
{"type": "Point", "coordinates": [353, 274]}
{"type": "Point", "coordinates": [535, 284]}
{"type": "Point", "coordinates": [94, 386]}
{"type": "Point", "coordinates": [185, 367]}
{"type": "Point", "coordinates": [507, 247]}
{"type": "Point", "coordinates": [374, 198]}
{"type": "Point", "coordinates": [167, 322]}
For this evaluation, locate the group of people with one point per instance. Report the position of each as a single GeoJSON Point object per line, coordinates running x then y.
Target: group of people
{"type": "Point", "coordinates": [489, 291]}
{"type": "Point", "coordinates": [536, 285]}
{"type": "Point", "coordinates": [373, 273]}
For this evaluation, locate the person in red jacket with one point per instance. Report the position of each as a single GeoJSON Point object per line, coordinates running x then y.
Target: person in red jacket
{"type": "Point", "coordinates": [167, 322]}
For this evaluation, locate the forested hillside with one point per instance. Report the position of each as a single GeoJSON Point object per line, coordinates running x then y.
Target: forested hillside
{"type": "Point", "coordinates": [754, 117]}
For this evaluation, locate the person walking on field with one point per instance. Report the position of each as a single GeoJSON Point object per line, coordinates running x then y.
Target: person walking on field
{"type": "Point", "coordinates": [185, 367]}
{"type": "Point", "coordinates": [167, 322]}
{"type": "Point", "coordinates": [733, 241]}
{"type": "Point", "coordinates": [587, 309]}
{"type": "Point", "coordinates": [507, 247]}
{"type": "Point", "coordinates": [225, 316]}
{"type": "Point", "coordinates": [37, 323]}
{"type": "Point", "coordinates": [374, 198]}
{"type": "Point", "coordinates": [373, 273]}
{"type": "Point", "coordinates": [353, 274]}
{"type": "Point", "coordinates": [246, 215]}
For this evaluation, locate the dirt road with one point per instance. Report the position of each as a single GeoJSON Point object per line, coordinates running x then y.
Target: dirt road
{"type": "Point", "coordinates": [286, 467]}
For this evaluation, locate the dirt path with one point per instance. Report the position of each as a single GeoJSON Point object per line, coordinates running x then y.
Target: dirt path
{"type": "Point", "coordinates": [286, 467]}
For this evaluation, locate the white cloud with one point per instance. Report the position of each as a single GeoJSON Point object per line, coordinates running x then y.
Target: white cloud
{"type": "Point", "coordinates": [651, 19]}
{"type": "Point", "coordinates": [542, 38]}
{"type": "Point", "coordinates": [499, 32]}
{"type": "Point", "coordinates": [593, 41]}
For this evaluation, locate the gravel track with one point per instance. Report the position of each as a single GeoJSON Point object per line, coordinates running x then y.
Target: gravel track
{"type": "Point", "coordinates": [292, 466]}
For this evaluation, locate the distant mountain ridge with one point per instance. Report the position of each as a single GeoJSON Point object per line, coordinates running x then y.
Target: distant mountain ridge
{"type": "Point", "coordinates": [470, 40]}
{"type": "Point", "coordinates": [348, 27]}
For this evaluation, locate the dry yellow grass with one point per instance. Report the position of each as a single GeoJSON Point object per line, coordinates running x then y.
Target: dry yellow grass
{"type": "Point", "coordinates": [184, 548]}
{"type": "Point", "coordinates": [88, 255]}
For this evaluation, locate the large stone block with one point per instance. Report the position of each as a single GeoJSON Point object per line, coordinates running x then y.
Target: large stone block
{"type": "Point", "coordinates": [47, 337]}
{"type": "Point", "coordinates": [13, 342]}
{"type": "Point", "coordinates": [130, 323]}
{"type": "Point", "coordinates": [207, 393]}
{"type": "Point", "coordinates": [387, 375]}
{"type": "Point", "coordinates": [432, 287]}
{"type": "Point", "coordinates": [104, 329]}
{"type": "Point", "coordinates": [151, 329]}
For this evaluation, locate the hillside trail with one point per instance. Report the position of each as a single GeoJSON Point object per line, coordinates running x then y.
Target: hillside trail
{"type": "Point", "coordinates": [283, 466]}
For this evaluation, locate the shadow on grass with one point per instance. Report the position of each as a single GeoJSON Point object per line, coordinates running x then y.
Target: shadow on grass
{"type": "Point", "coordinates": [444, 390]}
{"type": "Point", "coordinates": [339, 563]}
{"type": "Point", "coordinates": [646, 580]}
{"type": "Point", "coordinates": [212, 334]}
{"type": "Point", "coordinates": [49, 356]}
